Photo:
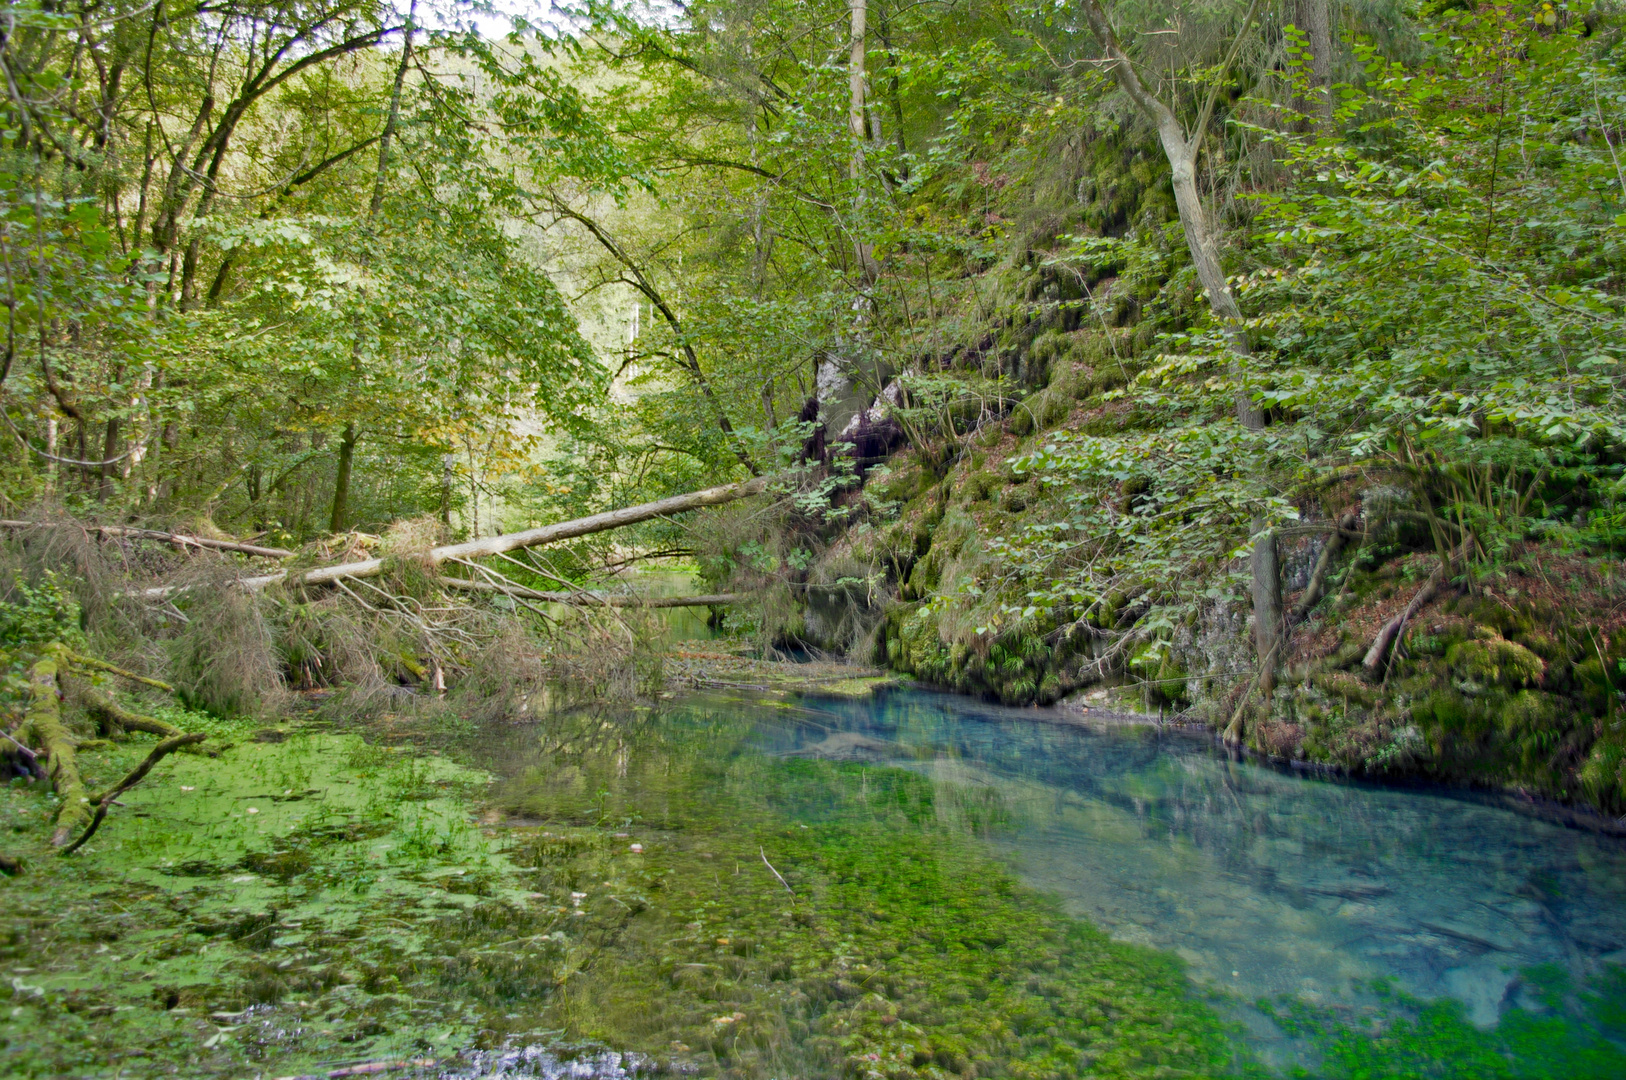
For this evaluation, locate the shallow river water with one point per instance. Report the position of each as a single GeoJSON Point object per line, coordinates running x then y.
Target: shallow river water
{"type": "Point", "coordinates": [1317, 917]}
{"type": "Point", "coordinates": [1265, 881]}
{"type": "Point", "coordinates": [752, 885]}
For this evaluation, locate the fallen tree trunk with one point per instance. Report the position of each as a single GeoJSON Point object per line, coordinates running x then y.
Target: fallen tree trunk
{"type": "Point", "coordinates": [591, 598]}
{"type": "Point", "coordinates": [496, 545]}
{"type": "Point", "coordinates": [49, 734]}
{"type": "Point", "coordinates": [168, 538]}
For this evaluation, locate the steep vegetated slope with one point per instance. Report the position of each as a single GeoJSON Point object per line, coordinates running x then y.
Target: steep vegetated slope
{"type": "Point", "coordinates": [1426, 247]}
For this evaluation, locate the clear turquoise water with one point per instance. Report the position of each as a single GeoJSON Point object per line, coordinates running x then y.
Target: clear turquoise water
{"type": "Point", "coordinates": [1265, 881]}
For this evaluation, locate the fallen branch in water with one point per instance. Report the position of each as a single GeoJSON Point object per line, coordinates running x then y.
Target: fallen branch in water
{"type": "Point", "coordinates": [135, 777]}
{"type": "Point", "coordinates": [370, 1068]}
{"type": "Point", "coordinates": [764, 853]}
{"type": "Point", "coordinates": [177, 539]}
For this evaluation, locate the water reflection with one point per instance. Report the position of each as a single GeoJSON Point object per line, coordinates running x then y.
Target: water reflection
{"type": "Point", "coordinates": [1265, 881]}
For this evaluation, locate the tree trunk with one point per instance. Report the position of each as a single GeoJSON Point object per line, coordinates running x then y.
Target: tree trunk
{"type": "Point", "coordinates": [341, 483]}
{"type": "Point", "coordinates": [50, 462]}
{"type": "Point", "coordinates": [858, 128]}
{"type": "Point", "coordinates": [388, 137]}
{"type": "Point", "coordinates": [1201, 240]}
{"type": "Point", "coordinates": [1265, 566]}
{"type": "Point", "coordinates": [347, 444]}
{"type": "Point", "coordinates": [109, 448]}
{"type": "Point", "coordinates": [1314, 17]}
{"type": "Point", "coordinates": [447, 464]}
{"type": "Point", "coordinates": [858, 11]}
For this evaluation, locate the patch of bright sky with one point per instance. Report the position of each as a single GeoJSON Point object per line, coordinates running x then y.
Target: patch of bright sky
{"type": "Point", "coordinates": [497, 18]}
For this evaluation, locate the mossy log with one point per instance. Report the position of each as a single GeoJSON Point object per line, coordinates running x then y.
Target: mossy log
{"type": "Point", "coordinates": [114, 718]}
{"type": "Point", "coordinates": [50, 734]}
{"type": "Point", "coordinates": [76, 660]}
{"type": "Point", "coordinates": [57, 745]}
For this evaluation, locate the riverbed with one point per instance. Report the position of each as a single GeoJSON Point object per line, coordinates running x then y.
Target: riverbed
{"type": "Point", "coordinates": [771, 885]}
{"type": "Point", "coordinates": [1266, 882]}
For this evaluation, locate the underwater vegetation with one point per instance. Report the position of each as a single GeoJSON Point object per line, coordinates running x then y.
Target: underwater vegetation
{"type": "Point", "coordinates": [641, 881]}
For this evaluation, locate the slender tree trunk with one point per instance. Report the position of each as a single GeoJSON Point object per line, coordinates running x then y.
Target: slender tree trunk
{"type": "Point", "coordinates": [1315, 19]}
{"type": "Point", "coordinates": [109, 448]}
{"type": "Point", "coordinates": [858, 10]}
{"type": "Point", "coordinates": [341, 483]}
{"type": "Point", "coordinates": [347, 444]}
{"type": "Point", "coordinates": [387, 139]}
{"type": "Point", "coordinates": [447, 463]}
{"type": "Point", "coordinates": [1202, 240]}
{"type": "Point", "coordinates": [858, 128]}
{"type": "Point", "coordinates": [50, 462]}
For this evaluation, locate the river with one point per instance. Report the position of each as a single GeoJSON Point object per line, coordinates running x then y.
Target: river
{"type": "Point", "coordinates": [1265, 881]}
{"type": "Point", "coordinates": [766, 886]}
{"type": "Point", "coordinates": [1294, 902]}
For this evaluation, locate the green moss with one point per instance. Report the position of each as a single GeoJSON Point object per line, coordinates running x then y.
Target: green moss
{"type": "Point", "coordinates": [293, 873]}
{"type": "Point", "coordinates": [1603, 776]}
{"type": "Point", "coordinates": [1497, 662]}
{"type": "Point", "coordinates": [978, 486]}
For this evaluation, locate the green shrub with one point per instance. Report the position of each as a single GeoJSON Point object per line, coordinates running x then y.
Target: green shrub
{"type": "Point", "coordinates": [41, 613]}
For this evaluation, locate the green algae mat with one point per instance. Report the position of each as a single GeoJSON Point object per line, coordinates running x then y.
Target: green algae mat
{"type": "Point", "coordinates": [641, 881]}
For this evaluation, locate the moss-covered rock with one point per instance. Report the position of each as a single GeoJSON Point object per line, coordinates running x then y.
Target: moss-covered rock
{"type": "Point", "coordinates": [1496, 662]}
